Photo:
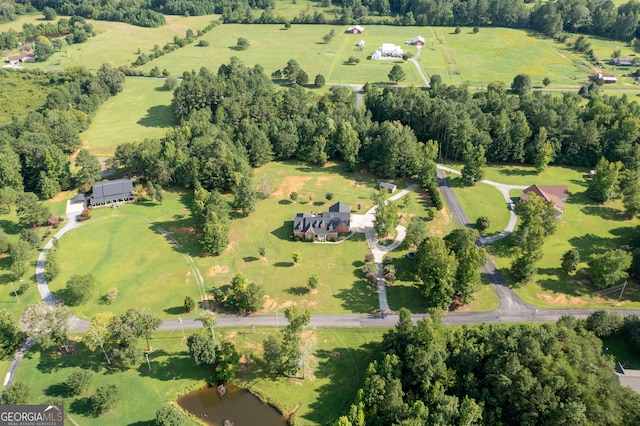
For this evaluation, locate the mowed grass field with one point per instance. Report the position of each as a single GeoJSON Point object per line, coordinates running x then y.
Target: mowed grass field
{"type": "Point", "coordinates": [335, 370]}
{"type": "Point", "coordinates": [588, 226]}
{"type": "Point", "coordinates": [141, 111]}
{"type": "Point", "coordinates": [272, 46]}
{"type": "Point", "coordinates": [117, 43]}
{"type": "Point", "coordinates": [122, 249]}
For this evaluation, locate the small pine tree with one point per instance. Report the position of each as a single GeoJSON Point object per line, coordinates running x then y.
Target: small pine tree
{"type": "Point", "coordinates": [314, 282]}
{"type": "Point", "coordinates": [189, 304]}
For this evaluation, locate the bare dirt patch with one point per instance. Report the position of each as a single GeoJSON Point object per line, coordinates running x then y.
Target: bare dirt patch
{"type": "Point", "coordinates": [59, 196]}
{"type": "Point", "coordinates": [324, 179]}
{"type": "Point", "coordinates": [185, 230]}
{"type": "Point", "coordinates": [561, 299]}
{"type": "Point", "coordinates": [217, 270]}
{"type": "Point", "coordinates": [291, 184]}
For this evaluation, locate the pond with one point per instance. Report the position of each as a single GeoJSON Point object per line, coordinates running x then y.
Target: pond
{"type": "Point", "coordinates": [239, 406]}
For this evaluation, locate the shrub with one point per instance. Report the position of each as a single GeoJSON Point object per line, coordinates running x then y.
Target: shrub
{"type": "Point", "coordinates": [457, 30]}
{"type": "Point", "coordinates": [189, 304]}
{"type": "Point", "coordinates": [476, 29]}
{"type": "Point", "coordinates": [203, 43]}
{"type": "Point", "coordinates": [319, 81]}
{"type": "Point", "coordinates": [78, 382]}
{"type": "Point", "coordinates": [329, 196]}
{"type": "Point", "coordinates": [242, 43]}
{"type": "Point", "coordinates": [483, 223]}
{"type": "Point", "coordinates": [16, 394]}
{"type": "Point", "coordinates": [167, 416]}
{"type": "Point", "coordinates": [111, 295]}
{"type": "Point", "coordinates": [105, 398]}
{"type": "Point", "coordinates": [293, 196]}
{"type": "Point", "coordinates": [313, 282]}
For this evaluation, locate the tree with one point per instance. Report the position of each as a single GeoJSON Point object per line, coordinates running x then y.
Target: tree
{"type": "Point", "coordinates": [416, 232]}
{"type": "Point", "coordinates": [202, 350]}
{"type": "Point", "coordinates": [111, 77]}
{"type": "Point", "coordinates": [570, 261]}
{"type": "Point", "coordinates": [293, 196]}
{"type": "Point", "coordinates": [49, 14]}
{"type": "Point", "coordinates": [167, 416]}
{"type": "Point", "coordinates": [43, 49]}
{"type": "Point", "coordinates": [604, 185]}
{"type": "Point", "coordinates": [302, 78]}
{"type": "Point", "coordinates": [105, 398]}
{"type": "Point", "coordinates": [242, 296]}
{"type": "Point", "coordinates": [98, 332]}
{"type": "Point", "coordinates": [609, 268]}
{"type": "Point", "coordinates": [242, 43]}
{"type": "Point", "coordinates": [313, 282]}
{"type": "Point", "coordinates": [228, 364]}
{"type": "Point", "coordinates": [604, 324]}
{"type": "Point", "coordinates": [474, 163]}
{"type": "Point", "coordinates": [470, 258]}
{"type": "Point", "coordinates": [296, 256]}
{"type": "Point", "coordinates": [521, 84]}
{"type": "Point", "coordinates": [16, 394]}
{"type": "Point", "coordinates": [170, 83]}
{"type": "Point", "coordinates": [79, 289]}
{"type": "Point", "coordinates": [544, 150]}
{"type": "Point", "coordinates": [290, 72]}
{"type": "Point", "coordinates": [51, 267]}
{"type": "Point", "coordinates": [90, 168]}
{"type": "Point", "coordinates": [396, 74]}
{"type": "Point", "coordinates": [457, 30]}
{"type": "Point", "coordinates": [245, 196]}
{"type": "Point", "coordinates": [483, 223]}
{"type": "Point", "coordinates": [214, 234]}
{"type": "Point", "coordinates": [476, 29]}
{"type": "Point", "coordinates": [546, 81]}
{"type": "Point", "coordinates": [189, 304]}
{"type": "Point", "coordinates": [77, 382]}
{"type": "Point", "coordinates": [10, 334]}
{"type": "Point", "coordinates": [319, 81]}
{"type": "Point", "coordinates": [30, 211]}
{"type": "Point", "coordinates": [329, 196]}
{"type": "Point", "coordinates": [209, 320]}
{"type": "Point", "coordinates": [386, 218]}
{"type": "Point", "coordinates": [436, 269]}
{"type": "Point", "coordinates": [47, 324]}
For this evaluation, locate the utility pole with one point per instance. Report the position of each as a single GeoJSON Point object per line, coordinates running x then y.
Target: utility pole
{"type": "Point", "coordinates": [146, 355]}
{"type": "Point", "coordinates": [18, 297]}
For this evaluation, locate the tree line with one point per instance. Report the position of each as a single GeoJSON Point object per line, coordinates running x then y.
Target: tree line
{"type": "Point", "coordinates": [494, 374]}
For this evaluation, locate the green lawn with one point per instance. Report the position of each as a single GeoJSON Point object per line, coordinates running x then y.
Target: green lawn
{"type": "Point", "coordinates": [141, 111]}
{"type": "Point", "coordinates": [585, 225]}
{"type": "Point", "coordinates": [500, 54]}
{"type": "Point", "coordinates": [481, 200]}
{"type": "Point", "coordinates": [122, 250]}
{"type": "Point", "coordinates": [117, 43]}
{"type": "Point", "coordinates": [341, 287]}
{"type": "Point", "coordinates": [334, 372]}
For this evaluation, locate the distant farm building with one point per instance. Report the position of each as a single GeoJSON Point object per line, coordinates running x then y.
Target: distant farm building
{"type": "Point", "coordinates": [323, 226]}
{"type": "Point", "coordinates": [418, 41]}
{"type": "Point", "coordinates": [388, 186]}
{"type": "Point", "coordinates": [21, 58]}
{"type": "Point", "coordinates": [355, 29]}
{"type": "Point", "coordinates": [111, 192]}
{"type": "Point", "coordinates": [623, 62]}
{"type": "Point", "coordinates": [388, 50]}
{"type": "Point", "coordinates": [557, 195]}
{"type": "Point", "coordinates": [607, 78]}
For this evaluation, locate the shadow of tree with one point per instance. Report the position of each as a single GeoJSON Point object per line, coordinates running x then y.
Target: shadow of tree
{"type": "Point", "coordinates": [606, 213]}
{"type": "Point", "coordinates": [517, 172]}
{"type": "Point", "coordinates": [298, 291]}
{"type": "Point", "coordinates": [359, 298]}
{"type": "Point", "coordinates": [576, 286]}
{"type": "Point", "coordinates": [81, 406]}
{"type": "Point", "coordinates": [590, 243]}
{"type": "Point", "coordinates": [165, 367]}
{"type": "Point", "coordinates": [158, 116]}
{"type": "Point", "coordinates": [406, 296]}
{"type": "Point", "coordinates": [52, 360]}
{"type": "Point", "coordinates": [176, 310]}
{"type": "Point", "coordinates": [57, 390]}
{"type": "Point", "coordinates": [250, 259]}
{"type": "Point", "coordinates": [143, 423]}
{"type": "Point", "coordinates": [283, 264]}
{"type": "Point", "coordinates": [345, 368]}
{"type": "Point", "coordinates": [10, 227]}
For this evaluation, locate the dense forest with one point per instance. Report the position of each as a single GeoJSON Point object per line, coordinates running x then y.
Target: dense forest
{"type": "Point", "coordinates": [553, 374]}
{"type": "Point", "coordinates": [602, 18]}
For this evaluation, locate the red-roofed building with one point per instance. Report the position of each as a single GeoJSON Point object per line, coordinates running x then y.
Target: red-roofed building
{"type": "Point", "coordinates": [556, 194]}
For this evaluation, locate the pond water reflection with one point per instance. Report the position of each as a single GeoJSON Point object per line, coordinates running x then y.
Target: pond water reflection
{"type": "Point", "coordinates": [237, 405]}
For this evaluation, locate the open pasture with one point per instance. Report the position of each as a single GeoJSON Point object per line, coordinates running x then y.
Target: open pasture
{"type": "Point", "coordinates": [117, 43]}
{"type": "Point", "coordinates": [272, 46]}
{"type": "Point", "coordinates": [141, 111]}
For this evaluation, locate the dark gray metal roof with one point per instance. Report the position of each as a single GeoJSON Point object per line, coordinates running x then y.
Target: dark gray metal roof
{"type": "Point", "coordinates": [107, 192]}
{"type": "Point", "coordinates": [339, 207]}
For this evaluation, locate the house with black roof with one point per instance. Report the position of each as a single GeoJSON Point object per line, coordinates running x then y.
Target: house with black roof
{"type": "Point", "coordinates": [323, 226]}
{"type": "Point", "coordinates": [108, 193]}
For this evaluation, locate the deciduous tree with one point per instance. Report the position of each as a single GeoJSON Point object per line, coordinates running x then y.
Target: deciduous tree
{"type": "Point", "coordinates": [436, 269]}
{"type": "Point", "coordinates": [609, 268]}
